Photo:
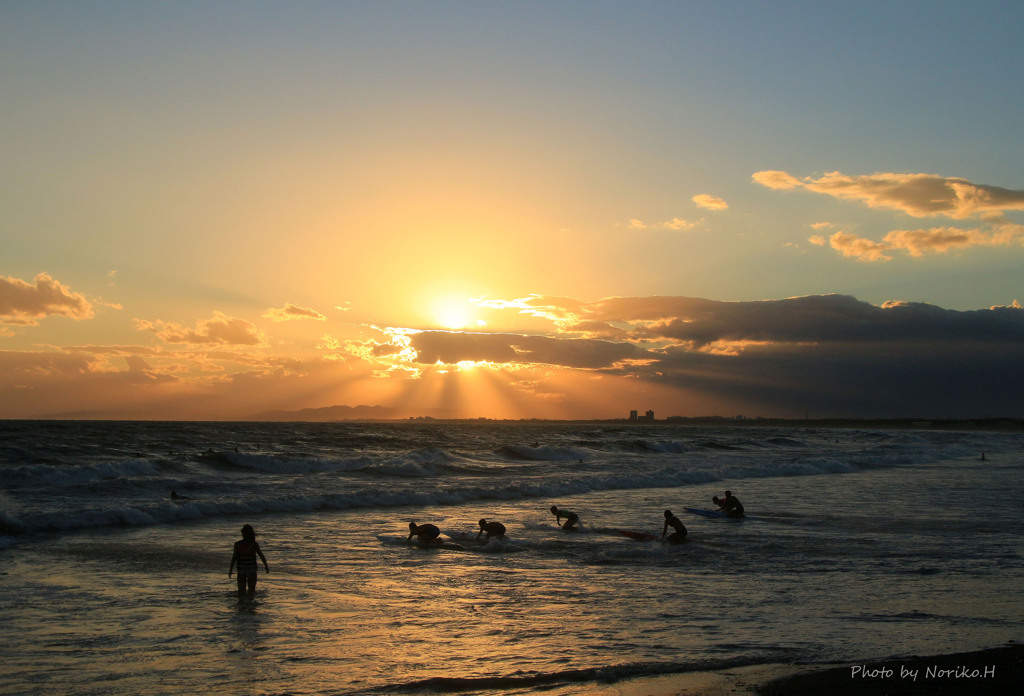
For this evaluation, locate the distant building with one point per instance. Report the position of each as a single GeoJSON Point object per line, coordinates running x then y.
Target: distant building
{"type": "Point", "coordinates": [635, 417]}
{"type": "Point", "coordinates": [632, 415]}
{"type": "Point", "coordinates": [649, 416]}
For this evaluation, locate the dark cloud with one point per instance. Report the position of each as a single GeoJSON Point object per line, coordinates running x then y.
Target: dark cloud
{"type": "Point", "coordinates": [814, 318]}
{"type": "Point", "coordinates": [963, 379]}
{"type": "Point", "coordinates": [454, 347]}
{"type": "Point", "coordinates": [839, 318]}
{"type": "Point", "coordinates": [831, 355]}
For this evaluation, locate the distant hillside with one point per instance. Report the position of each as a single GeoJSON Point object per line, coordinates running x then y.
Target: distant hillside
{"type": "Point", "coordinates": [328, 414]}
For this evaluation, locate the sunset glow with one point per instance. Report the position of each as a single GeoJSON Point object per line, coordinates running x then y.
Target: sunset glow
{"type": "Point", "coordinates": [454, 314]}
{"type": "Point", "coordinates": [511, 211]}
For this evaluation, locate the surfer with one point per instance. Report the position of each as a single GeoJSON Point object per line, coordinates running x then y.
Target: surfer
{"type": "Point", "coordinates": [679, 535]}
{"type": "Point", "coordinates": [571, 518]}
{"type": "Point", "coordinates": [730, 504]}
{"type": "Point", "coordinates": [493, 529]}
{"type": "Point", "coordinates": [245, 553]}
{"type": "Point", "coordinates": [428, 533]}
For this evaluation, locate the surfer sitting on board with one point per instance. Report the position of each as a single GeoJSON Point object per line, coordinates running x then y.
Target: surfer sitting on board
{"type": "Point", "coordinates": [428, 533]}
{"type": "Point", "coordinates": [493, 529]}
{"type": "Point", "coordinates": [730, 504]}
{"type": "Point", "coordinates": [571, 518]}
{"type": "Point", "coordinates": [245, 553]}
{"type": "Point", "coordinates": [679, 535]}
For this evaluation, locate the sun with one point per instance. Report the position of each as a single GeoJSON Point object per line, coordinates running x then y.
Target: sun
{"type": "Point", "coordinates": [455, 314]}
{"type": "Point", "coordinates": [452, 315]}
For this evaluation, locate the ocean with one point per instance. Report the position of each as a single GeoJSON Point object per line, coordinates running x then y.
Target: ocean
{"type": "Point", "coordinates": [859, 544]}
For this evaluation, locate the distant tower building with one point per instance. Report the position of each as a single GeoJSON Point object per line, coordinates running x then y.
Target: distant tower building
{"type": "Point", "coordinates": [632, 415]}
{"type": "Point", "coordinates": [649, 416]}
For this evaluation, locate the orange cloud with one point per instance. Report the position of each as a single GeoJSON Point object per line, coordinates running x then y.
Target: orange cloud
{"type": "Point", "coordinates": [290, 312]}
{"type": "Point", "coordinates": [220, 330]}
{"type": "Point", "coordinates": [23, 303]}
{"type": "Point", "coordinates": [777, 180]}
{"type": "Point", "coordinates": [917, 243]}
{"type": "Point", "coordinates": [704, 200]}
{"type": "Point", "coordinates": [852, 246]}
{"type": "Point", "coordinates": [676, 223]}
{"type": "Point", "coordinates": [919, 195]}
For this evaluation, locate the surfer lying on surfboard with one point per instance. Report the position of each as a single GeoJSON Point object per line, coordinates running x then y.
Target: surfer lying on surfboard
{"type": "Point", "coordinates": [493, 529]}
{"type": "Point", "coordinates": [428, 533]}
{"type": "Point", "coordinates": [679, 535]}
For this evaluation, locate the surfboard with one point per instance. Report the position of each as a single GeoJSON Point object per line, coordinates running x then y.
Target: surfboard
{"type": "Point", "coordinates": [706, 513]}
{"type": "Point", "coordinates": [465, 537]}
{"type": "Point", "coordinates": [394, 540]}
{"type": "Point", "coordinates": [637, 536]}
{"type": "Point", "coordinates": [714, 514]}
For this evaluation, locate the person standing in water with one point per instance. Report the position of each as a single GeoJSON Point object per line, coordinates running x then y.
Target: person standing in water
{"type": "Point", "coordinates": [679, 535]}
{"type": "Point", "coordinates": [428, 533]}
{"type": "Point", "coordinates": [245, 553]}
{"type": "Point", "coordinates": [571, 518]}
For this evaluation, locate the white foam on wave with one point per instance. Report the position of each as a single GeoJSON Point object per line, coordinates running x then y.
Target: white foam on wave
{"type": "Point", "coordinates": [70, 475]}
{"type": "Point", "coordinates": [278, 465]}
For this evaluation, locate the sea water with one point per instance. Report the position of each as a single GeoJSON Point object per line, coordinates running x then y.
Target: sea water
{"type": "Point", "coordinates": [858, 545]}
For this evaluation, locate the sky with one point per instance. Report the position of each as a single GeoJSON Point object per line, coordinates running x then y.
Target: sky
{"type": "Point", "coordinates": [563, 210]}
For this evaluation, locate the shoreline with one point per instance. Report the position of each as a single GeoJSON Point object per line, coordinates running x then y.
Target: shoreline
{"type": "Point", "coordinates": [992, 670]}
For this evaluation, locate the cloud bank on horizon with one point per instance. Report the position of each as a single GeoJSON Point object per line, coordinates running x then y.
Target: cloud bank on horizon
{"type": "Point", "coordinates": [827, 355]}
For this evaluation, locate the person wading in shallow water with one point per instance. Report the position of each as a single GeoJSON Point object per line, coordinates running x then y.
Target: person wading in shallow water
{"type": "Point", "coordinates": [245, 553]}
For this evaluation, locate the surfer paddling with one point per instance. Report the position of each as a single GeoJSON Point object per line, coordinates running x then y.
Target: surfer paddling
{"type": "Point", "coordinates": [245, 553]}
{"type": "Point", "coordinates": [730, 505]}
{"type": "Point", "coordinates": [571, 518]}
{"type": "Point", "coordinates": [428, 533]}
{"type": "Point", "coordinates": [492, 529]}
{"type": "Point", "coordinates": [679, 535]}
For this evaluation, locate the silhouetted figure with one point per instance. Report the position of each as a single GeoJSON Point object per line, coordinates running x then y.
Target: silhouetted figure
{"type": "Point", "coordinates": [679, 535]}
{"type": "Point", "coordinates": [571, 518]}
{"type": "Point", "coordinates": [492, 529]}
{"type": "Point", "coordinates": [427, 533]}
{"type": "Point", "coordinates": [730, 504]}
{"type": "Point", "coordinates": [245, 553]}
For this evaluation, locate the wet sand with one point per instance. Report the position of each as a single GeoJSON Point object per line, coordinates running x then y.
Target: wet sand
{"type": "Point", "coordinates": [996, 670]}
